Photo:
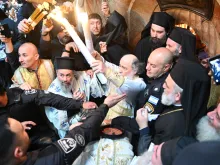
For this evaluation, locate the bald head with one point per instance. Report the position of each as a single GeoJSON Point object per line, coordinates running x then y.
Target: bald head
{"type": "Point", "coordinates": [30, 47]}
{"type": "Point", "coordinates": [129, 65]}
{"type": "Point", "coordinates": [163, 55]}
{"type": "Point", "coordinates": [28, 56]}
{"type": "Point", "coordinates": [159, 62]}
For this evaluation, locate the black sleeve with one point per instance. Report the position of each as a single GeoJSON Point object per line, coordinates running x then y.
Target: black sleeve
{"type": "Point", "coordinates": [13, 60]}
{"type": "Point", "coordinates": [66, 150]}
{"type": "Point", "coordinates": [144, 141]}
{"type": "Point", "coordinates": [45, 98]}
{"type": "Point", "coordinates": [45, 49]}
{"type": "Point", "coordinates": [126, 123]}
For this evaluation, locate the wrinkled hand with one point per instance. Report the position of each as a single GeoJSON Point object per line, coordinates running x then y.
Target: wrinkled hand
{"type": "Point", "coordinates": [73, 46]}
{"type": "Point", "coordinates": [105, 9]}
{"type": "Point", "coordinates": [90, 73]}
{"type": "Point", "coordinates": [23, 26]}
{"type": "Point", "coordinates": [4, 39]}
{"type": "Point", "coordinates": [98, 66]}
{"type": "Point", "coordinates": [103, 47]}
{"type": "Point", "coordinates": [25, 86]}
{"type": "Point", "coordinates": [79, 95]}
{"type": "Point", "coordinates": [112, 100]}
{"type": "Point", "coordinates": [89, 105]}
{"type": "Point", "coordinates": [75, 125]}
{"type": "Point", "coordinates": [142, 118]}
{"type": "Point", "coordinates": [28, 124]}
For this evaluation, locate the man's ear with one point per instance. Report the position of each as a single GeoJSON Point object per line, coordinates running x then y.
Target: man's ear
{"type": "Point", "coordinates": [167, 67]}
{"type": "Point", "coordinates": [178, 97]}
{"type": "Point", "coordinates": [36, 56]}
{"type": "Point", "coordinates": [18, 153]}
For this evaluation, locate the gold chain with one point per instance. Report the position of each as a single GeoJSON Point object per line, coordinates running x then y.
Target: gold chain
{"type": "Point", "coordinates": [176, 110]}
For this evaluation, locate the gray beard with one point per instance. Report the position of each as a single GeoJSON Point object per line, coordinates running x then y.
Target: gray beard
{"type": "Point", "coordinates": [168, 99]}
{"type": "Point", "coordinates": [205, 131]}
{"type": "Point", "coordinates": [145, 158]}
{"type": "Point", "coordinates": [66, 88]}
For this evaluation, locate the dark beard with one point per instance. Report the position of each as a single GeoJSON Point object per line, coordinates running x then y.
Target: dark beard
{"type": "Point", "coordinates": [157, 43]}
{"type": "Point", "coordinates": [65, 40]}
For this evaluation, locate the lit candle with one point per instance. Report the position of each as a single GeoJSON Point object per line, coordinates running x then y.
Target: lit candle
{"type": "Point", "coordinates": [86, 30]}
{"type": "Point", "coordinates": [56, 15]}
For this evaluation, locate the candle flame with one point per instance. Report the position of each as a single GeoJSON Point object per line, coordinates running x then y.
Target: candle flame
{"type": "Point", "coordinates": [56, 14]}
{"type": "Point", "coordinates": [83, 17]}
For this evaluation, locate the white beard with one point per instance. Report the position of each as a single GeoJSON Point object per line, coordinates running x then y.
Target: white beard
{"type": "Point", "coordinates": [168, 99]}
{"type": "Point", "coordinates": [145, 159]}
{"type": "Point", "coordinates": [205, 131]}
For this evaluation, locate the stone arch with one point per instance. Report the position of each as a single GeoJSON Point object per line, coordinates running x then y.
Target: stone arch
{"type": "Point", "coordinates": [138, 12]}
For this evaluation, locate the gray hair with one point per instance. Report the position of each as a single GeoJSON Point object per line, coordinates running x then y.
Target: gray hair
{"type": "Point", "coordinates": [138, 67]}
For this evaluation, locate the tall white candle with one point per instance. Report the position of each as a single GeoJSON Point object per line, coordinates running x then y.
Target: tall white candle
{"type": "Point", "coordinates": [86, 30]}
{"type": "Point", "coordinates": [89, 58]}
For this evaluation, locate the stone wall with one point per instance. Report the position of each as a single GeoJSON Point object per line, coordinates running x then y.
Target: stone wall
{"type": "Point", "coordinates": [138, 12]}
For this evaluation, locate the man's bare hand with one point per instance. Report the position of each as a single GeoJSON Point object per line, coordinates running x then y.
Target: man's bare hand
{"type": "Point", "coordinates": [107, 122]}
{"type": "Point", "coordinates": [98, 66]}
{"type": "Point", "coordinates": [23, 26]}
{"type": "Point", "coordinates": [45, 29]}
{"type": "Point", "coordinates": [89, 105]}
{"type": "Point", "coordinates": [112, 100]}
{"type": "Point", "coordinates": [90, 73]}
{"type": "Point", "coordinates": [5, 39]}
{"type": "Point", "coordinates": [75, 125]}
{"type": "Point", "coordinates": [67, 7]}
{"type": "Point", "coordinates": [105, 9]}
{"type": "Point", "coordinates": [142, 118]}
{"type": "Point", "coordinates": [96, 55]}
{"type": "Point", "coordinates": [25, 86]}
{"type": "Point", "coordinates": [73, 46]}
{"type": "Point", "coordinates": [79, 95]}
{"type": "Point", "coordinates": [28, 124]}
{"type": "Point", "coordinates": [103, 47]}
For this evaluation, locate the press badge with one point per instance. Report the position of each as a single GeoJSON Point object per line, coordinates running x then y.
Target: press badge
{"type": "Point", "coordinates": [153, 100]}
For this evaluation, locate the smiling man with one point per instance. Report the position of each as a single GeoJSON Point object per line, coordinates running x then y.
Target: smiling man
{"type": "Point", "coordinates": [33, 72]}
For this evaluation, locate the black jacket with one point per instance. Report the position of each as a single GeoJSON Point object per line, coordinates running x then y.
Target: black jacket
{"type": "Point", "coordinates": [66, 150]}
{"type": "Point", "coordinates": [24, 105]}
{"type": "Point", "coordinates": [151, 96]}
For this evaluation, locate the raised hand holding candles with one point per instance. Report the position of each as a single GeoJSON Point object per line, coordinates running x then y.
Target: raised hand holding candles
{"type": "Point", "coordinates": [56, 14]}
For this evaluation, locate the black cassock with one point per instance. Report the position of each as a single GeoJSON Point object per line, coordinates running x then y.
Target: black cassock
{"type": "Point", "coordinates": [114, 34]}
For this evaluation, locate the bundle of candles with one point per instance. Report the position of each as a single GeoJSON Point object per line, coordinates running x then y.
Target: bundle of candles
{"type": "Point", "coordinates": [56, 14]}
{"type": "Point", "coordinates": [53, 2]}
{"type": "Point", "coordinates": [40, 12]}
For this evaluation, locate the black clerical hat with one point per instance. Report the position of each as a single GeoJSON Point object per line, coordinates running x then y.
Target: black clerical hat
{"type": "Point", "coordinates": [195, 82]}
{"type": "Point", "coordinates": [159, 18]}
{"type": "Point", "coordinates": [188, 42]}
{"type": "Point", "coordinates": [200, 154]}
{"type": "Point", "coordinates": [65, 63]}
{"type": "Point", "coordinates": [172, 148]}
{"type": "Point", "coordinates": [176, 35]}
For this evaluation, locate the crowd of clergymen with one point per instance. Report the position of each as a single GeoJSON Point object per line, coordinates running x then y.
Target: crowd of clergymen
{"type": "Point", "coordinates": [53, 107]}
